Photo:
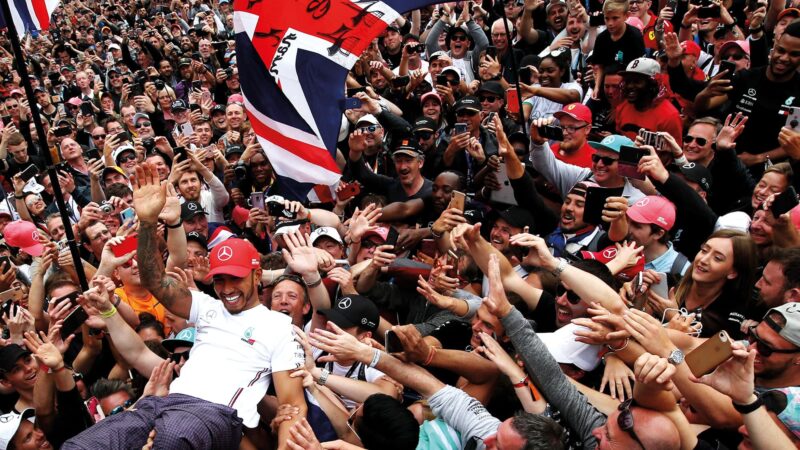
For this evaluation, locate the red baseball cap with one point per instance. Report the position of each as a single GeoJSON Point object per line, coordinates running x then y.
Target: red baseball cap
{"type": "Point", "coordinates": [235, 257]}
{"type": "Point", "coordinates": [655, 210]}
{"type": "Point", "coordinates": [691, 48]}
{"type": "Point", "coordinates": [25, 236]}
{"type": "Point", "coordinates": [609, 253]}
{"type": "Point", "coordinates": [577, 111]}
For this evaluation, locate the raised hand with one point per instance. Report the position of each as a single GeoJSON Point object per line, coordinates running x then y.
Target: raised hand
{"type": "Point", "coordinates": [149, 195]}
{"type": "Point", "coordinates": [299, 254]}
{"type": "Point", "coordinates": [492, 350]}
{"type": "Point", "coordinates": [726, 138]}
{"type": "Point", "coordinates": [171, 212]}
{"type": "Point", "coordinates": [160, 378]}
{"type": "Point", "coordinates": [496, 302]}
{"type": "Point", "coordinates": [734, 377]}
{"type": "Point", "coordinates": [45, 351]}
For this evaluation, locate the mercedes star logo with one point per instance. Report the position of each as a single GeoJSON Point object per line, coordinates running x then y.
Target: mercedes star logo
{"type": "Point", "coordinates": [225, 253]}
{"type": "Point", "coordinates": [345, 303]}
{"type": "Point", "coordinates": [192, 206]}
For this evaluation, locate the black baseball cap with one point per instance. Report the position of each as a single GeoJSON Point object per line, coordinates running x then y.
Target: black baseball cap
{"type": "Point", "coordinates": [352, 311]}
{"type": "Point", "coordinates": [694, 172]}
{"type": "Point", "coordinates": [233, 150]}
{"type": "Point", "coordinates": [469, 102]}
{"type": "Point", "coordinates": [190, 209]}
{"type": "Point", "coordinates": [517, 217]}
{"type": "Point", "coordinates": [179, 105]}
{"type": "Point", "coordinates": [492, 87]}
{"type": "Point", "coordinates": [424, 124]}
{"type": "Point", "coordinates": [407, 146]}
{"type": "Point", "coordinates": [11, 353]}
{"type": "Point", "coordinates": [196, 237]}
{"type": "Point", "coordinates": [519, 136]}
{"type": "Point", "coordinates": [184, 62]}
{"type": "Point", "coordinates": [218, 109]}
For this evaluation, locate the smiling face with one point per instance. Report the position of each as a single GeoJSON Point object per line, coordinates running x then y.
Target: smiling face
{"type": "Point", "coordinates": [695, 152]}
{"type": "Point", "coordinates": [776, 364]}
{"type": "Point", "coordinates": [501, 234]}
{"type": "Point", "coordinates": [770, 183]}
{"type": "Point", "coordinates": [567, 311]}
{"type": "Point", "coordinates": [432, 108]}
{"type": "Point", "coordinates": [486, 322]}
{"type": "Point", "coordinates": [288, 298]}
{"type": "Point", "coordinates": [408, 169]}
{"type": "Point", "coordinates": [785, 58]}
{"type": "Point", "coordinates": [761, 228]}
{"type": "Point", "coordinates": [605, 173]}
{"type": "Point", "coordinates": [29, 437]}
{"type": "Point", "coordinates": [459, 44]}
{"type": "Point", "coordinates": [22, 377]}
{"type": "Point", "coordinates": [237, 294]}
{"type": "Point", "coordinates": [571, 219]}
{"type": "Point", "coordinates": [714, 262]}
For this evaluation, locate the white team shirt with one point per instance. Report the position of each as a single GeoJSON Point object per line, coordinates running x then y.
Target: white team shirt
{"type": "Point", "coordinates": [234, 355]}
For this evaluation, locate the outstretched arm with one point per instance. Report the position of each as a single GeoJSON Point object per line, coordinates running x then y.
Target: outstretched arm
{"type": "Point", "coordinates": [149, 197]}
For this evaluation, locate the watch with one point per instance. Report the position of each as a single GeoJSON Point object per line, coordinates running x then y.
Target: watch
{"type": "Point", "coordinates": [676, 357]}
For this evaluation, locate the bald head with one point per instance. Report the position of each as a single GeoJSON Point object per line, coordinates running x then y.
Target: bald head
{"type": "Point", "coordinates": [655, 430]}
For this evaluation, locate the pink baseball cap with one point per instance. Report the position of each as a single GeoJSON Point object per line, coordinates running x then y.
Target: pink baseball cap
{"type": "Point", "coordinates": [655, 210]}
{"type": "Point", "coordinates": [381, 232]}
{"type": "Point", "coordinates": [235, 98]}
{"type": "Point", "coordinates": [235, 257]}
{"type": "Point", "coordinates": [744, 45]}
{"type": "Point", "coordinates": [431, 94]}
{"type": "Point", "coordinates": [577, 111]}
{"type": "Point", "coordinates": [25, 236]}
{"type": "Point", "coordinates": [635, 22]}
{"type": "Point", "coordinates": [75, 101]}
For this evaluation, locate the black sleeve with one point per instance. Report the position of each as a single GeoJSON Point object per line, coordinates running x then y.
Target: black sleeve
{"type": "Point", "coordinates": [394, 123]}
{"type": "Point", "coordinates": [691, 210]}
{"type": "Point", "coordinates": [387, 295]}
{"type": "Point", "coordinates": [527, 197]}
{"type": "Point", "coordinates": [126, 57]}
{"type": "Point", "coordinates": [682, 85]}
{"type": "Point", "coordinates": [378, 184]}
{"type": "Point", "coordinates": [71, 418]}
{"type": "Point", "coordinates": [759, 51]}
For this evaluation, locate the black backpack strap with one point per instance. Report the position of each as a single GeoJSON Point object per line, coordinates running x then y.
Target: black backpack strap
{"type": "Point", "coordinates": [678, 264]}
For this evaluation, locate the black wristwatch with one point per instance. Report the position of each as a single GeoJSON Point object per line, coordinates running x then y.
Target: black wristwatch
{"type": "Point", "coordinates": [747, 409]}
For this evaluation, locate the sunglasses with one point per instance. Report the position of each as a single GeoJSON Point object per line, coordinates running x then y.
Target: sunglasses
{"type": "Point", "coordinates": [423, 135]}
{"type": "Point", "coordinates": [128, 403]}
{"type": "Point", "coordinates": [176, 357]}
{"type": "Point", "coordinates": [688, 139]}
{"type": "Point", "coordinates": [625, 420]}
{"type": "Point", "coordinates": [607, 160]}
{"type": "Point", "coordinates": [370, 129]}
{"type": "Point", "coordinates": [126, 158]}
{"type": "Point", "coordinates": [489, 98]}
{"type": "Point", "coordinates": [99, 136]}
{"type": "Point", "coordinates": [737, 56]}
{"type": "Point", "coordinates": [763, 348]}
{"type": "Point", "coordinates": [571, 296]}
{"type": "Point", "coordinates": [459, 37]}
{"type": "Point", "coordinates": [143, 124]}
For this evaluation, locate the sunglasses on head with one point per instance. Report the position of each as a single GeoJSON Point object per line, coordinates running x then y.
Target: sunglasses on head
{"type": "Point", "coordinates": [571, 296]}
{"type": "Point", "coordinates": [423, 135]}
{"type": "Point", "coordinates": [370, 129]}
{"type": "Point", "coordinates": [489, 98]}
{"type": "Point", "coordinates": [128, 403]}
{"type": "Point", "coordinates": [143, 124]}
{"type": "Point", "coordinates": [176, 357]}
{"type": "Point", "coordinates": [762, 347]}
{"type": "Point", "coordinates": [625, 420]}
{"type": "Point", "coordinates": [607, 160]}
{"type": "Point", "coordinates": [688, 139]}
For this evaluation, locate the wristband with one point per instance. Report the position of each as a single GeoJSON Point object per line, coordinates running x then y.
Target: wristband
{"type": "Point", "coordinates": [19, 197]}
{"type": "Point", "coordinates": [177, 225]}
{"type": "Point", "coordinates": [523, 382]}
{"type": "Point", "coordinates": [315, 283]}
{"type": "Point", "coordinates": [435, 235]}
{"type": "Point", "coordinates": [109, 313]}
{"type": "Point", "coordinates": [431, 354]}
{"type": "Point", "coordinates": [747, 409]}
{"type": "Point", "coordinates": [376, 356]}
{"type": "Point", "coordinates": [323, 378]}
{"type": "Point", "coordinates": [685, 27]}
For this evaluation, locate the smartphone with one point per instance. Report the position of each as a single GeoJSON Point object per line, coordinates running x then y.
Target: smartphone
{"type": "Point", "coordinates": [197, 85]}
{"type": "Point", "coordinates": [86, 109]}
{"type": "Point", "coordinates": [595, 202]}
{"type": "Point", "coordinates": [489, 118]}
{"type": "Point", "coordinates": [398, 82]}
{"type": "Point", "coordinates": [92, 153]}
{"type": "Point", "coordinates": [651, 138]}
{"type": "Point", "coordinates": [639, 297]}
{"type": "Point", "coordinates": [729, 66]}
{"type": "Point", "coordinates": [62, 131]}
{"type": "Point", "coordinates": [393, 343]}
{"type": "Point", "coordinates": [126, 246]}
{"type": "Point", "coordinates": [452, 260]}
{"type": "Point", "coordinates": [55, 99]}
{"type": "Point", "coordinates": [708, 12]}
{"type": "Point", "coordinates": [9, 308]}
{"type": "Point", "coordinates": [7, 261]}
{"type": "Point", "coordinates": [460, 128]}
{"type": "Point", "coordinates": [793, 118]}
{"type": "Point", "coordinates": [73, 321]}
{"type": "Point", "coordinates": [428, 247]}
{"type": "Point", "coordinates": [551, 132]}
{"type": "Point", "coordinates": [458, 200]}
{"type": "Point", "coordinates": [672, 4]}
{"type": "Point", "coordinates": [180, 152]}
{"type": "Point", "coordinates": [629, 158]}
{"type": "Point", "coordinates": [596, 19]}
{"type": "Point", "coordinates": [127, 214]}
{"type": "Point", "coordinates": [11, 294]}
{"type": "Point", "coordinates": [7, 120]}
{"type": "Point", "coordinates": [784, 202]}
{"type": "Point", "coordinates": [351, 103]}
{"type": "Point", "coordinates": [30, 172]}
{"type": "Point", "coordinates": [72, 297]}
{"type": "Point", "coordinates": [711, 353]}
{"type": "Point", "coordinates": [491, 50]}
{"type": "Point", "coordinates": [123, 137]}
{"type": "Point", "coordinates": [186, 129]}
{"type": "Point", "coordinates": [525, 74]}
{"type": "Point", "coordinates": [257, 200]}
{"type": "Point", "coordinates": [662, 287]}
{"type": "Point", "coordinates": [194, 107]}
{"type": "Point", "coordinates": [512, 100]}
{"type": "Point", "coordinates": [441, 80]}
{"type": "Point", "coordinates": [351, 92]}
{"type": "Point", "coordinates": [391, 237]}
{"type": "Point", "coordinates": [350, 190]}
{"type": "Point", "coordinates": [137, 89]}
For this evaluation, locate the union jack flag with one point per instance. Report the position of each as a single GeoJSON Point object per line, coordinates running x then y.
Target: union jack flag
{"type": "Point", "coordinates": [29, 15]}
{"type": "Point", "coordinates": [293, 58]}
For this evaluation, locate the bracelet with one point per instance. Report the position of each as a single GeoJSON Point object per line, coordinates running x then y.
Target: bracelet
{"type": "Point", "coordinates": [756, 30]}
{"type": "Point", "coordinates": [376, 356]}
{"type": "Point", "coordinates": [315, 283]}
{"type": "Point", "coordinates": [523, 382]}
{"type": "Point", "coordinates": [435, 235]}
{"type": "Point", "coordinates": [624, 346]}
{"type": "Point", "coordinates": [109, 313]}
{"type": "Point", "coordinates": [747, 409]}
{"type": "Point", "coordinates": [177, 225]}
{"type": "Point", "coordinates": [431, 354]}
{"type": "Point", "coordinates": [562, 265]}
{"type": "Point", "coordinates": [19, 197]}
{"type": "Point", "coordinates": [117, 300]}
{"type": "Point", "coordinates": [323, 377]}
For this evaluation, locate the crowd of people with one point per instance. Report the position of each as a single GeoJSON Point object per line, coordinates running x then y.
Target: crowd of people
{"type": "Point", "coordinates": [560, 224]}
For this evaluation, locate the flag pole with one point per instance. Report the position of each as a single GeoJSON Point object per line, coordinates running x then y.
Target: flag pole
{"type": "Point", "coordinates": [22, 70]}
{"type": "Point", "coordinates": [514, 67]}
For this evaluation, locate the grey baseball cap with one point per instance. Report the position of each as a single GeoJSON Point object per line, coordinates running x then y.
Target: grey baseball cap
{"type": "Point", "coordinates": [789, 329]}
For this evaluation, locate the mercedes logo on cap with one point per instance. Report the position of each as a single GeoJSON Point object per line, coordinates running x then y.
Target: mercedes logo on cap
{"type": "Point", "coordinates": [225, 253]}
{"type": "Point", "coordinates": [192, 206]}
{"type": "Point", "coordinates": [345, 303]}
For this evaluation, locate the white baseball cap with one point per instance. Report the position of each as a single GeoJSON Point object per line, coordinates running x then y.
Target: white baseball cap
{"type": "Point", "coordinates": [9, 424]}
{"type": "Point", "coordinates": [328, 232]}
{"type": "Point", "coordinates": [642, 66]}
{"type": "Point", "coordinates": [566, 350]}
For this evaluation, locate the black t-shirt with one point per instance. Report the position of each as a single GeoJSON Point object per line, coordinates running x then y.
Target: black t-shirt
{"type": "Point", "coordinates": [545, 314]}
{"type": "Point", "coordinates": [629, 47]}
{"type": "Point", "coordinates": [760, 99]}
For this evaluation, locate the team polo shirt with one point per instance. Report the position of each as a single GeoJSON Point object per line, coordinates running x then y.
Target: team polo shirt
{"type": "Point", "coordinates": [234, 355]}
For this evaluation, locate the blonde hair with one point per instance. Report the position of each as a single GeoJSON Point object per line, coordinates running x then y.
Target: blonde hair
{"type": "Point", "coordinates": [615, 6]}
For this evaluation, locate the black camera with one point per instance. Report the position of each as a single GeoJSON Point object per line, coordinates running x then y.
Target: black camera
{"type": "Point", "coordinates": [148, 143]}
{"type": "Point", "coordinates": [159, 83]}
{"type": "Point", "coordinates": [418, 48]}
{"type": "Point", "coordinates": [240, 170]}
{"type": "Point", "coordinates": [229, 72]}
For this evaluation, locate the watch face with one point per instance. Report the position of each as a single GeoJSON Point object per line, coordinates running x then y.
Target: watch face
{"type": "Point", "coordinates": [676, 357]}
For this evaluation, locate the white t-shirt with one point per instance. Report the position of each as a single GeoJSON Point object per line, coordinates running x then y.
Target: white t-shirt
{"type": "Point", "coordinates": [542, 107]}
{"type": "Point", "coordinates": [234, 355]}
{"type": "Point", "coordinates": [370, 374]}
